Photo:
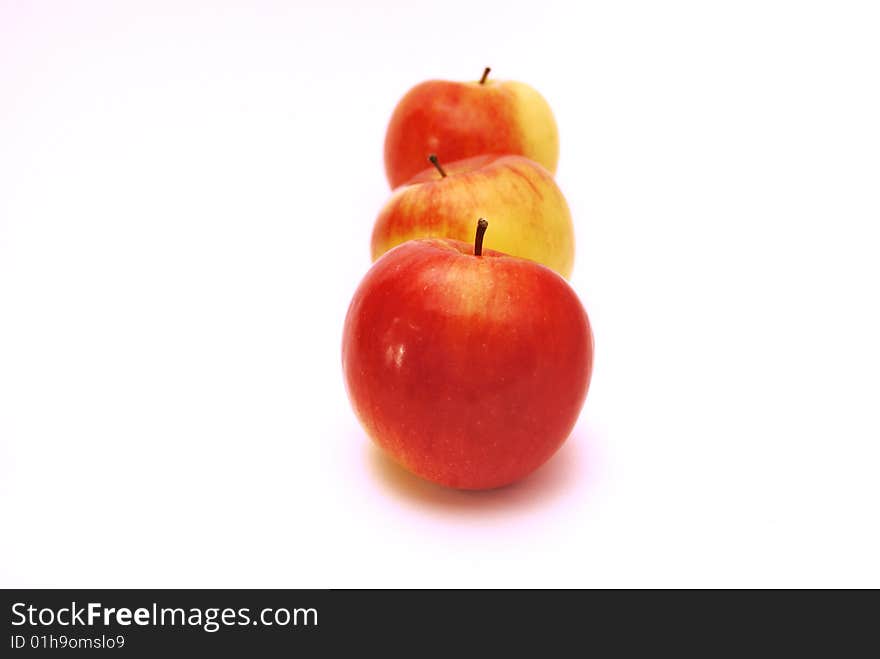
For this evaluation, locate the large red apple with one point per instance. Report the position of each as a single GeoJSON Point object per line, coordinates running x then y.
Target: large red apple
{"type": "Point", "coordinates": [529, 214]}
{"type": "Point", "coordinates": [459, 120]}
{"type": "Point", "coordinates": [468, 367]}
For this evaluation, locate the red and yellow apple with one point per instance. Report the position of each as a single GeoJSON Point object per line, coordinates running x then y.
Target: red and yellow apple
{"type": "Point", "coordinates": [459, 120]}
{"type": "Point", "coordinates": [468, 367]}
{"type": "Point", "coordinates": [529, 214]}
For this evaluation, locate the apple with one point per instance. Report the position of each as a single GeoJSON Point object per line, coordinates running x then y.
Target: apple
{"type": "Point", "coordinates": [529, 214]}
{"type": "Point", "coordinates": [469, 367]}
{"type": "Point", "coordinates": [458, 120]}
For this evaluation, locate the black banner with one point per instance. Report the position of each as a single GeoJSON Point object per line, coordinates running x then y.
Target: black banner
{"type": "Point", "coordinates": [255, 622]}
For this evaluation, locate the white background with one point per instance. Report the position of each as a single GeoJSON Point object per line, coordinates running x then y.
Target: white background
{"type": "Point", "coordinates": [186, 195]}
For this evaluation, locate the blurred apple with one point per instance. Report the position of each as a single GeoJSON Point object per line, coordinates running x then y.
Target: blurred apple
{"type": "Point", "coordinates": [529, 215]}
{"type": "Point", "coordinates": [458, 120]}
{"type": "Point", "coordinates": [467, 366]}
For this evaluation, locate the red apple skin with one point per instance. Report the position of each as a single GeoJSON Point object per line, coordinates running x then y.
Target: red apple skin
{"type": "Point", "coordinates": [528, 212]}
{"type": "Point", "coordinates": [470, 371]}
{"type": "Point", "coordinates": [457, 120]}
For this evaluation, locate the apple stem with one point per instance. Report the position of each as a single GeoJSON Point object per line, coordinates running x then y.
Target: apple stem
{"type": "Point", "coordinates": [436, 163]}
{"type": "Point", "coordinates": [485, 75]}
{"type": "Point", "coordinates": [482, 225]}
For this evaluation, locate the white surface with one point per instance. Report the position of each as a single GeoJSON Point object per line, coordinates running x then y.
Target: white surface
{"type": "Point", "coordinates": [186, 197]}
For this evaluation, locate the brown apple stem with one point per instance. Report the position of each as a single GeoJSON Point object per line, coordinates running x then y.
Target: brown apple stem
{"type": "Point", "coordinates": [482, 225]}
{"type": "Point", "coordinates": [485, 75]}
{"type": "Point", "coordinates": [436, 163]}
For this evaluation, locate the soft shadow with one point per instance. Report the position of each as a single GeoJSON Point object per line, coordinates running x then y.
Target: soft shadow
{"type": "Point", "coordinates": [563, 474]}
